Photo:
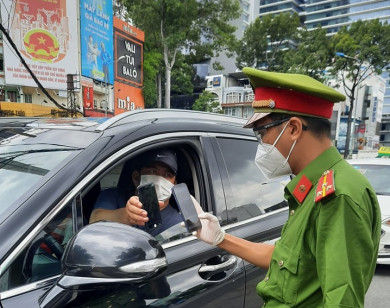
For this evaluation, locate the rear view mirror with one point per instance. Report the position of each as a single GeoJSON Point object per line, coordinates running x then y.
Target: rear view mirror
{"type": "Point", "coordinates": [105, 253]}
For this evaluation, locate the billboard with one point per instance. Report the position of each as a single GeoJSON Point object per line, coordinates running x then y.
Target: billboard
{"type": "Point", "coordinates": [129, 42]}
{"type": "Point", "coordinates": [45, 33]}
{"type": "Point", "coordinates": [96, 40]}
{"type": "Point", "coordinates": [127, 98]}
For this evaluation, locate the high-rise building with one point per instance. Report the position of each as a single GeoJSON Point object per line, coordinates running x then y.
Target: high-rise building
{"type": "Point", "coordinates": [277, 6]}
{"type": "Point", "coordinates": [332, 15]}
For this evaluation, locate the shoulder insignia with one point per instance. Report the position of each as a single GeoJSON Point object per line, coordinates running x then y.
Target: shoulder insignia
{"type": "Point", "coordinates": [325, 186]}
{"type": "Point", "coordinates": [302, 189]}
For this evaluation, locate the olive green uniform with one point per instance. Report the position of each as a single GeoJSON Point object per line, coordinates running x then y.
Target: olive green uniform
{"type": "Point", "coordinates": [327, 253]}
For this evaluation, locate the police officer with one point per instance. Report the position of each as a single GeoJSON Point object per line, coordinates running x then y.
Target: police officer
{"type": "Point", "coordinates": [327, 252]}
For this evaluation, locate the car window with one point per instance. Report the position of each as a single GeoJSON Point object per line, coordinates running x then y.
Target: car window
{"type": "Point", "coordinates": [377, 175]}
{"type": "Point", "coordinates": [116, 186]}
{"type": "Point", "coordinates": [42, 257]}
{"type": "Point", "coordinates": [111, 179]}
{"type": "Point", "coordinates": [253, 195]}
{"type": "Point", "coordinates": [22, 166]}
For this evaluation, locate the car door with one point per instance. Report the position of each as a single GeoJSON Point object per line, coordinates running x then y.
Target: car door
{"type": "Point", "coordinates": [255, 208]}
{"type": "Point", "coordinates": [197, 273]}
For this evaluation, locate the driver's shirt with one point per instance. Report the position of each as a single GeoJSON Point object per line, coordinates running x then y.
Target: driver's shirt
{"type": "Point", "coordinates": [327, 253]}
{"type": "Point", "coordinates": [112, 199]}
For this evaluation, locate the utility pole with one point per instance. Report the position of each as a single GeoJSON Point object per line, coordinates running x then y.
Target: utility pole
{"type": "Point", "coordinates": [71, 99]}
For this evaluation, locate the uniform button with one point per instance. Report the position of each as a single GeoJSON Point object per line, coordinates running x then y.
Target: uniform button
{"type": "Point", "coordinates": [266, 278]}
{"type": "Point", "coordinates": [281, 262]}
{"type": "Point", "coordinates": [292, 212]}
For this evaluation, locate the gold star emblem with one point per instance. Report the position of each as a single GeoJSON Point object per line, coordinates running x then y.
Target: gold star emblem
{"type": "Point", "coordinates": [41, 40]}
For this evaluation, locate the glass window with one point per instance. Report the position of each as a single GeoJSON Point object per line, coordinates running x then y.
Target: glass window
{"type": "Point", "coordinates": [42, 258]}
{"type": "Point", "coordinates": [253, 195]}
{"type": "Point", "coordinates": [22, 166]}
{"type": "Point", "coordinates": [118, 185]}
{"type": "Point", "coordinates": [378, 176]}
{"type": "Point", "coordinates": [28, 98]}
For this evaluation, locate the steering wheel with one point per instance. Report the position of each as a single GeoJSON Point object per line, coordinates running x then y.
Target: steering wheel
{"type": "Point", "coordinates": [54, 246]}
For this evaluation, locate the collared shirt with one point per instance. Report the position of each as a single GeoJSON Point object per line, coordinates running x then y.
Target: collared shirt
{"type": "Point", "coordinates": [327, 253]}
{"type": "Point", "coordinates": [112, 199]}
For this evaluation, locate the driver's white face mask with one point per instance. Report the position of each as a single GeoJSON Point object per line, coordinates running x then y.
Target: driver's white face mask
{"type": "Point", "coordinates": [270, 161]}
{"type": "Point", "coordinates": [162, 185]}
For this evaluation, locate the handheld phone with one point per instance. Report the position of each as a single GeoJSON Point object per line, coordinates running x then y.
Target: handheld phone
{"type": "Point", "coordinates": [148, 197]}
{"type": "Point", "coordinates": [186, 206]}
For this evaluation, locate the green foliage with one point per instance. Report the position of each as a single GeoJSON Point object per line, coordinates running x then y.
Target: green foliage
{"type": "Point", "coordinates": [367, 42]}
{"type": "Point", "coordinates": [206, 102]}
{"type": "Point", "coordinates": [265, 41]}
{"type": "Point", "coordinates": [366, 49]}
{"type": "Point", "coordinates": [311, 56]}
{"type": "Point", "coordinates": [182, 76]}
{"type": "Point", "coordinates": [201, 27]}
{"type": "Point", "coordinates": [152, 64]}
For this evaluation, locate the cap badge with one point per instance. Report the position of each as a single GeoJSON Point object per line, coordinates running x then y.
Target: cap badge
{"type": "Point", "coordinates": [269, 103]}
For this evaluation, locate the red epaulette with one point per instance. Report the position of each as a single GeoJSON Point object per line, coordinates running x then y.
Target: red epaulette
{"type": "Point", "coordinates": [325, 186]}
{"type": "Point", "coordinates": [302, 189]}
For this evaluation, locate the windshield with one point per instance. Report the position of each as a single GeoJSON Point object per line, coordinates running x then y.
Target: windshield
{"type": "Point", "coordinates": [23, 165]}
{"type": "Point", "coordinates": [378, 175]}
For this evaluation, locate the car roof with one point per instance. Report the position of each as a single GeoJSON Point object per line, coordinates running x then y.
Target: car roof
{"type": "Point", "coordinates": [150, 114]}
{"type": "Point", "coordinates": [102, 124]}
{"type": "Point", "coordinates": [370, 161]}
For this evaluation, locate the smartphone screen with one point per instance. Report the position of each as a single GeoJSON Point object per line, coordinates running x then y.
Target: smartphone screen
{"type": "Point", "coordinates": [148, 197]}
{"type": "Point", "coordinates": [186, 206]}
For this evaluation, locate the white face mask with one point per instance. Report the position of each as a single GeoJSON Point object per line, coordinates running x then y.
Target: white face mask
{"type": "Point", "coordinates": [162, 185]}
{"type": "Point", "coordinates": [270, 161]}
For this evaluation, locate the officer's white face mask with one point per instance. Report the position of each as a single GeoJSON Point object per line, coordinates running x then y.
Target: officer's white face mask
{"type": "Point", "coordinates": [270, 161]}
{"type": "Point", "coordinates": [162, 185]}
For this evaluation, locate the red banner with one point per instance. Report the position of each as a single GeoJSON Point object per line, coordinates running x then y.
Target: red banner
{"type": "Point", "coordinates": [88, 97]}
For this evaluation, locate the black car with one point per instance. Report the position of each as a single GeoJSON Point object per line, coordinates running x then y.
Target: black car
{"type": "Point", "coordinates": [51, 173]}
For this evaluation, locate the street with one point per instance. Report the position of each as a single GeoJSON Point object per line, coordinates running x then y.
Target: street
{"type": "Point", "coordinates": [378, 294]}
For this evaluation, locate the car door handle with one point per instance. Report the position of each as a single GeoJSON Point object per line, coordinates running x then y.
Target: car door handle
{"type": "Point", "coordinates": [228, 263]}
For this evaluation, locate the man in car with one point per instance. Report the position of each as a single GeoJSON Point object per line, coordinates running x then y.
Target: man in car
{"type": "Point", "coordinates": [327, 252]}
{"type": "Point", "coordinates": [158, 167]}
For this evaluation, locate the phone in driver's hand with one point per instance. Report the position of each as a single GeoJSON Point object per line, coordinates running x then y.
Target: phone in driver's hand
{"type": "Point", "coordinates": [186, 206]}
{"type": "Point", "coordinates": [148, 197]}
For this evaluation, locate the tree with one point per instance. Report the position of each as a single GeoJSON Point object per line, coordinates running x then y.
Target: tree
{"type": "Point", "coordinates": [266, 40]}
{"type": "Point", "coordinates": [362, 49]}
{"type": "Point", "coordinates": [152, 64]}
{"type": "Point", "coordinates": [311, 56]}
{"type": "Point", "coordinates": [182, 75]}
{"type": "Point", "coordinates": [206, 102]}
{"type": "Point", "coordinates": [193, 26]}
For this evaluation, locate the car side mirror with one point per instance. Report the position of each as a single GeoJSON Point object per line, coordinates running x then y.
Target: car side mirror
{"type": "Point", "coordinates": [105, 253]}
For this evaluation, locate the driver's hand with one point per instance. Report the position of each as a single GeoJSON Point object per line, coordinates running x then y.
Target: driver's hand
{"type": "Point", "coordinates": [211, 231]}
{"type": "Point", "coordinates": [136, 215]}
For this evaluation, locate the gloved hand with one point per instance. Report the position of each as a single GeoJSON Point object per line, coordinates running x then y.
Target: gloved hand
{"type": "Point", "coordinates": [211, 231]}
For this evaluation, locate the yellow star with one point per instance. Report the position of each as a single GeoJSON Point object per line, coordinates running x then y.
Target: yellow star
{"type": "Point", "coordinates": [41, 40]}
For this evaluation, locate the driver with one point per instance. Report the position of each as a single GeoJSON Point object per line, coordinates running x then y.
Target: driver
{"type": "Point", "coordinates": [156, 166]}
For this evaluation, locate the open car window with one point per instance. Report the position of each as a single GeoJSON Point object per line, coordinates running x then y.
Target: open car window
{"type": "Point", "coordinates": [117, 183]}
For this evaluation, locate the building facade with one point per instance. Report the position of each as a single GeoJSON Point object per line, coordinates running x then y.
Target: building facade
{"type": "Point", "coordinates": [332, 15]}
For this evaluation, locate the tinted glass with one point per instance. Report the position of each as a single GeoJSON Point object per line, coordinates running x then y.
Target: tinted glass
{"type": "Point", "coordinates": [42, 258]}
{"type": "Point", "coordinates": [378, 176]}
{"type": "Point", "coordinates": [21, 166]}
{"type": "Point", "coordinates": [253, 194]}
